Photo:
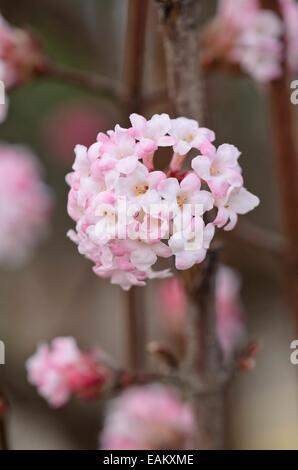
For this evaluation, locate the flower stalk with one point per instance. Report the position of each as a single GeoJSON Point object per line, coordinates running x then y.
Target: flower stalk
{"type": "Point", "coordinates": [133, 79]}
{"type": "Point", "coordinates": [180, 25]}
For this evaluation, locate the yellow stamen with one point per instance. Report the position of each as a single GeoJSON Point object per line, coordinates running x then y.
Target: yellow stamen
{"type": "Point", "coordinates": [181, 200]}
{"type": "Point", "coordinates": [141, 188]}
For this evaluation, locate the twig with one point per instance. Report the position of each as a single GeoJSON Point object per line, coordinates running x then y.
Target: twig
{"type": "Point", "coordinates": [133, 329]}
{"type": "Point", "coordinates": [164, 354]}
{"type": "Point", "coordinates": [104, 86]}
{"type": "Point", "coordinates": [258, 238]}
{"type": "Point", "coordinates": [287, 162]}
{"type": "Point", "coordinates": [87, 80]}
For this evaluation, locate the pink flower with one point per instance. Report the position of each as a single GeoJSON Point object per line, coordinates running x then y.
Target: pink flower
{"type": "Point", "coordinates": [187, 192]}
{"type": "Point", "coordinates": [258, 48]}
{"type": "Point", "coordinates": [119, 144]}
{"type": "Point", "coordinates": [190, 246]}
{"type": "Point", "coordinates": [255, 37]}
{"type": "Point", "coordinates": [25, 204]}
{"type": "Point", "coordinates": [172, 297]}
{"type": "Point", "coordinates": [152, 133]}
{"type": "Point", "coordinates": [128, 215]}
{"type": "Point", "coordinates": [219, 168]}
{"type": "Point", "coordinates": [187, 135]}
{"type": "Point", "coordinates": [70, 123]}
{"type": "Point", "coordinates": [228, 9]}
{"type": "Point", "coordinates": [140, 185]}
{"type": "Point", "coordinates": [229, 316]}
{"type": "Point", "coordinates": [60, 370]}
{"type": "Point", "coordinates": [237, 201]}
{"type": "Point", "coordinates": [20, 55]}
{"type": "Point", "coordinates": [290, 11]}
{"type": "Point", "coordinates": [150, 417]}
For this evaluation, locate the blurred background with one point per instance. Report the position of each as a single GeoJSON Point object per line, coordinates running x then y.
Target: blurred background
{"type": "Point", "coordinates": [58, 294]}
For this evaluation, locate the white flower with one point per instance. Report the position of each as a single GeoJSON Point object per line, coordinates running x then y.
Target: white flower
{"type": "Point", "coordinates": [237, 201]}
{"type": "Point", "coordinates": [188, 135]}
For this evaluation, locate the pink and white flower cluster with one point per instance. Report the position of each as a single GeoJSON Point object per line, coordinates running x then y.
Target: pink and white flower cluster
{"type": "Point", "coordinates": [128, 214]}
{"type": "Point", "coordinates": [254, 36]}
{"type": "Point", "coordinates": [150, 417]}
{"type": "Point", "coordinates": [61, 370]}
{"type": "Point", "coordinates": [25, 204]}
{"type": "Point", "coordinates": [20, 55]}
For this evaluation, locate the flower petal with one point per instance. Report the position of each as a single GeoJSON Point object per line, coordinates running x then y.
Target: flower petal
{"type": "Point", "coordinates": [127, 165]}
{"type": "Point", "coordinates": [190, 183]}
{"type": "Point", "coordinates": [242, 201]}
{"type": "Point", "coordinates": [168, 189]}
{"type": "Point", "coordinates": [201, 165]}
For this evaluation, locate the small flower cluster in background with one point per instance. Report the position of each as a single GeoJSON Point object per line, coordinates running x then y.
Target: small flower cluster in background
{"type": "Point", "coordinates": [73, 121]}
{"type": "Point", "coordinates": [21, 59]}
{"type": "Point", "coordinates": [243, 34]}
{"type": "Point", "coordinates": [120, 165]}
{"type": "Point", "coordinates": [230, 321]}
{"type": "Point", "coordinates": [25, 204]}
{"type": "Point", "coordinates": [150, 417]}
{"type": "Point", "coordinates": [20, 55]}
{"type": "Point", "coordinates": [62, 370]}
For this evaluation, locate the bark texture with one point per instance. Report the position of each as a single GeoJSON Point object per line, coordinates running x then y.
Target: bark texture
{"type": "Point", "coordinates": [180, 25]}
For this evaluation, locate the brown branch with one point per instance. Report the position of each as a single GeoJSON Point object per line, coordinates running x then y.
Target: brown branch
{"type": "Point", "coordinates": [258, 238]}
{"type": "Point", "coordinates": [180, 25]}
{"type": "Point", "coordinates": [287, 163]}
{"type": "Point", "coordinates": [87, 80]}
{"type": "Point", "coordinates": [154, 98]}
{"type": "Point", "coordinates": [203, 358]}
{"type": "Point", "coordinates": [116, 92]}
{"type": "Point", "coordinates": [199, 285]}
{"type": "Point", "coordinates": [164, 354]}
{"type": "Point", "coordinates": [135, 53]}
{"type": "Point", "coordinates": [125, 378]}
{"type": "Point", "coordinates": [133, 80]}
{"type": "Point", "coordinates": [134, 329]}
